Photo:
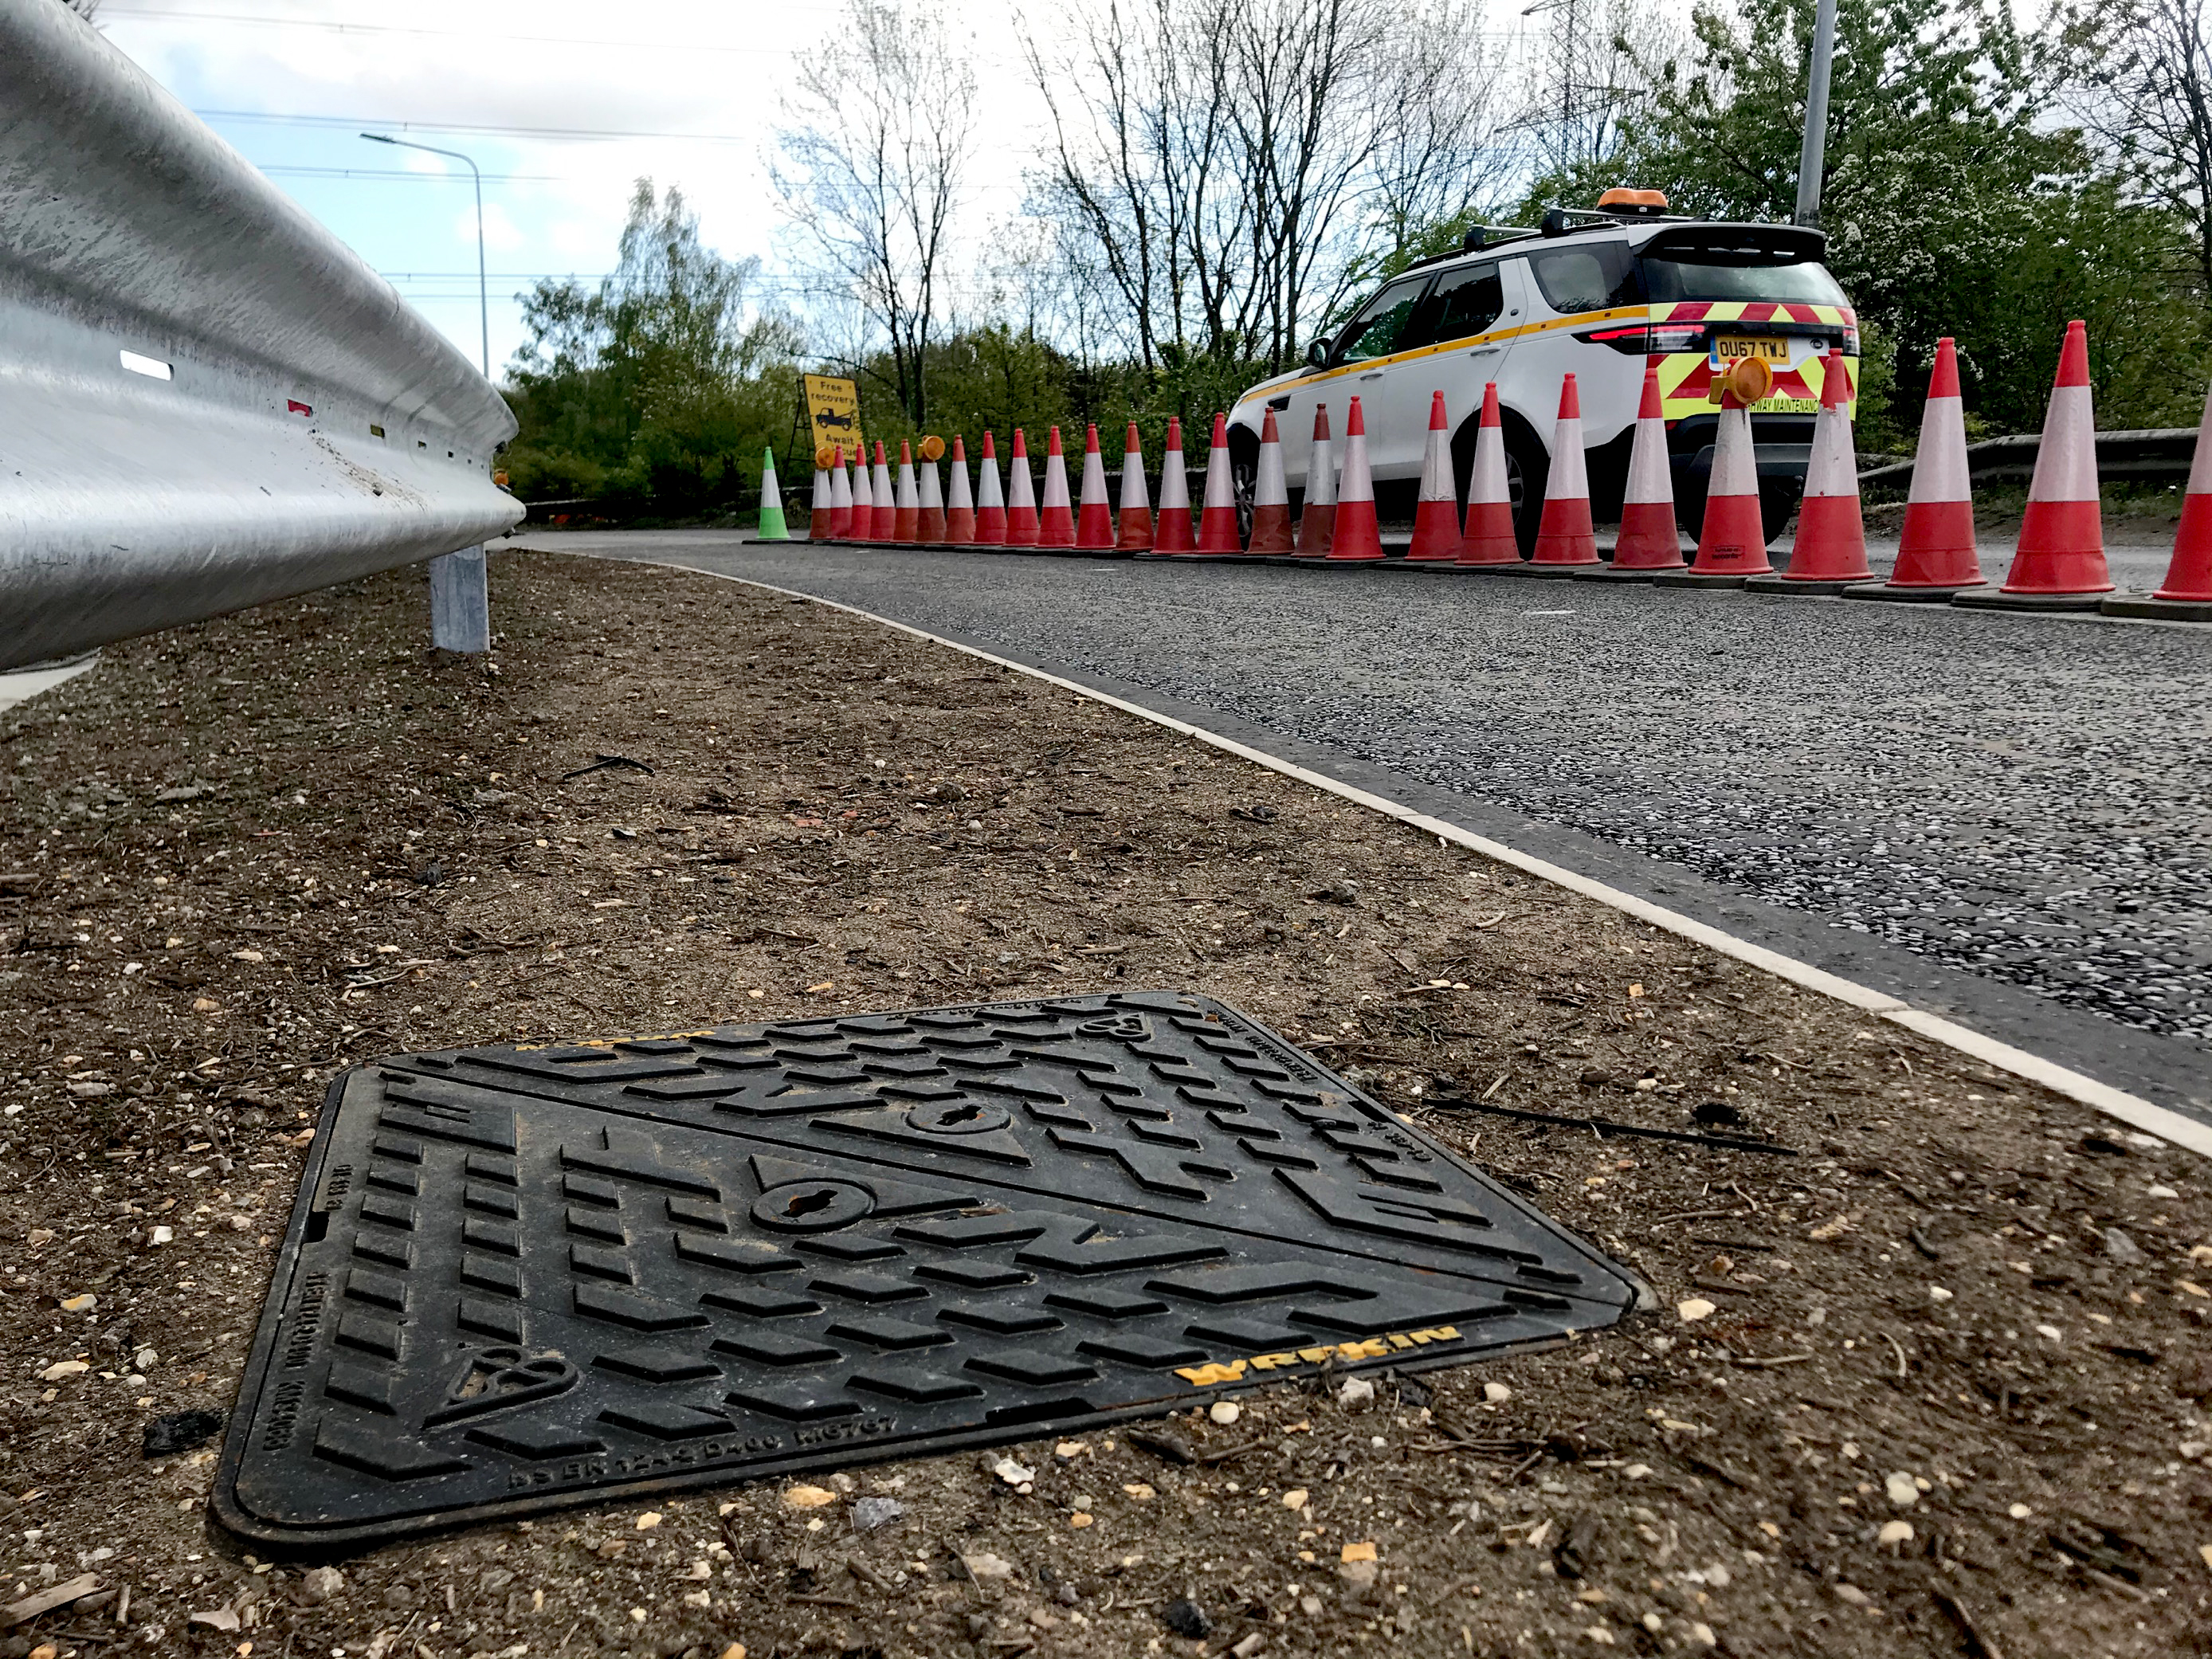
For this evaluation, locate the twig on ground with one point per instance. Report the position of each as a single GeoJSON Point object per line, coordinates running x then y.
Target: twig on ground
{"type": "Point", "coordinates": [601, 763]}
{"type": "Point", "coordinates": [1726, 1143]}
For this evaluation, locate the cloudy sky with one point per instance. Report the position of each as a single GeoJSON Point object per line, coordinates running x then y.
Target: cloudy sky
{"type": "Point", "coordinates": [562, 104]}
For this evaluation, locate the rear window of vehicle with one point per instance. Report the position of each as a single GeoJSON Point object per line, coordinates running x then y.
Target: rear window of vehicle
{"type": "Point", "coordinates": [1597, 276]}
{"type": "Point", "coordinates": [1738, 274]}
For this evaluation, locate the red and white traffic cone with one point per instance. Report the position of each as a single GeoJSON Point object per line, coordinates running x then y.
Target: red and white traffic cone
{"type": "Point", "coordinates": [1174, 533]}
{"type": "Point", "coordinates": [1935, 555]}
{"type": "Point", "coordinates": [990, 502]}
{"type": "Point", "coordinates": [1317, 521]}
{"type": "Point", "coordinates": [885, 511]}
{"type": "Point", "coordinates": [1487, 540]}
{"type": "Point", "coordinates": [1056, 514]}
{"type": "Point", "coordinates": [1356, 538]}
{"type": "Point", "coordinates": [863, 525]}
{"type": "Point", "coordinates": [959, 505]}
{"type": "Point", "coordinates": [1830, 552]}
{"type": "Point", "coordinates": [1566, 539]}
{"type": "Point", "coordinates": [1021, 496]}
{"type": "Point", "coordinates": [929, 527]}
{"type": "Point", "coordinates": [1436, 512]}
{"type": "Point", "coordinates": [2059, 562]}
{"type": "Point", "coordinates": [1649, 540]}
{"type": "Point", "coordinates": [1135, 522]}
{"type": "Point", "coordinates": [841, 499]}
{"type": "Point", "coordinates": [1217, 518]}
{"type": "Point", "coordinates": [1732, 545]}
{"type": "Point", "coordinates": [2186, 595]}
{"type": "Point", "coordinates": [824, 514]}
{"type": "Point", "coordinates": [1094, 519]}
{"type": "Point", "coordinates": [1271, 495]}
{"type": "Point", "coordinates": [906, 511]}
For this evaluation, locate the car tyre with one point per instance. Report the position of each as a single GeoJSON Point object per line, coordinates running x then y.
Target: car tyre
{"type": "Point", "coordinates": [1528, 472]}
{"type": "Point", "coordinates": [1243, 479]}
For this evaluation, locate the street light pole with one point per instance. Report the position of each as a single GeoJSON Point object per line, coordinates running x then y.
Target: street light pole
{"type": "Point", "coordinates": [1813, 156]}
{"type": "Point", "coordinates": [483, 286]}
{"type": "Point", "coordinates": [460, 585]}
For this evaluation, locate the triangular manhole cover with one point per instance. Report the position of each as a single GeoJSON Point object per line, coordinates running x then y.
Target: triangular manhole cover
{"type": "Point", "coordinates": [519, 1279]}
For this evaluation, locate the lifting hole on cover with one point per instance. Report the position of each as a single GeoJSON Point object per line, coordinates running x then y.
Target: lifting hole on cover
{"type": "Point", "coordinates": [966, 1118]}
{"type": "Point", "coordinates": [812, 1207]}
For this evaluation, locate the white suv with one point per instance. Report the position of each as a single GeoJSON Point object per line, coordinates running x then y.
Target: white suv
{"type": "Point", "coordinates": [1597, 293]}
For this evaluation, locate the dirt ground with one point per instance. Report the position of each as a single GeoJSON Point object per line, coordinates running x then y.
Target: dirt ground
{"type": "Point", "coordinates": [1930, 1384]}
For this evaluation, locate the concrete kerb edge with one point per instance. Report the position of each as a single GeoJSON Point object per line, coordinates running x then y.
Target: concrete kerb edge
{"type": "Point", "coordinates": [2132, 1109]}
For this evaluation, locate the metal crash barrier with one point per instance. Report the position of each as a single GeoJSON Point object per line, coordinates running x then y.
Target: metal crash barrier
{"type": "Point", "coordinates": [207, 401]}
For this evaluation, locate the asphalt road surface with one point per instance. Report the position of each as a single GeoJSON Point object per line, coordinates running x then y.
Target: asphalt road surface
{"type": "Point", "coordinates": [2021, 803]}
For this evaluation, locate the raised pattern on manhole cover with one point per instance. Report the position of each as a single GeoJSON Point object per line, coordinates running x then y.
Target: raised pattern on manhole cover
{"type": "Point", "coordinates": [521, 1278]}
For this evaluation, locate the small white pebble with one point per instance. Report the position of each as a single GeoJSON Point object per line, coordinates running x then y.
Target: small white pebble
{"type": "Point", "coordinates": [2049, 1333]}
{"type": "Point", "coordinates": [1695, 1309]}
{"type": "Point", "coordinates": [2020, 1511]}
{"type": "Point", "coordinates": [1496, 1393]}
{"type": "Point", "coordinates": [1937, 1293]}
{"type": "Point", "coordinates": [1904, 1490]}
{"type": "Point", "coordinates": [1225, 1411]}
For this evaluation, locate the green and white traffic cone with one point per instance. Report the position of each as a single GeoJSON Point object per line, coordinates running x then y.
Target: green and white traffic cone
{"type": "Point", "coordinates": [772, 526]}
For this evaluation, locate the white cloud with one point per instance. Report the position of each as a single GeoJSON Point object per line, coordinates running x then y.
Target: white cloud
{"type": "Point", "coordinates": [711, 71]}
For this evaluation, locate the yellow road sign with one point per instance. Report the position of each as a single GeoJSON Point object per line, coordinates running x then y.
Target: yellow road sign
{"type": "Point", "coordinates": [833, 408]}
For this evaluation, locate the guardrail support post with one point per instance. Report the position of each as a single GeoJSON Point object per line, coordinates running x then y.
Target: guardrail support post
{"type": "Point", "coordinates": [460, 602]}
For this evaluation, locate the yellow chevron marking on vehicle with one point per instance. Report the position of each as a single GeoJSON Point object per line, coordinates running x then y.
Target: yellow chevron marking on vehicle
{"type": "Point", "coordinates": [1372, 1347]}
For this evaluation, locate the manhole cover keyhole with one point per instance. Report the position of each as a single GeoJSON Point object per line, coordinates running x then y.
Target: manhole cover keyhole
{"type": "Point", "coordinates": [812, 1207]}
{"type": "Point", "coordinates": [958, 1117]}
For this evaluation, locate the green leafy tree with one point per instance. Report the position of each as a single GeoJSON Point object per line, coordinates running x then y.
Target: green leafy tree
{"type": "Point", "coordinates": [1954, 200]}
{"type": "Point", "coordinates": [661, 386]}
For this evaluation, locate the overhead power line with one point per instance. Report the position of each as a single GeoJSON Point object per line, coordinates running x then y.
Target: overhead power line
{"type": "Point", "coordinates": [580, 134]}
{"type": "Point", "coordinates": [164, 14]}
{"type": "Point", "coordinates": [402, 172]}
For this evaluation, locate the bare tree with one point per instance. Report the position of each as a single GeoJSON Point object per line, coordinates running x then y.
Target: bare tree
{"type": "Point", "coordinates": [1442, 92]}
{"type": "Point", "coordinates": [1588, 73]}
{"type": "Point", "coordinates": [1228, 166]}
{"type": "Point", "coordinates": [881, 124]}
{"type": "Point", "coordinates": [1139, 110]}
{"type": "Point", "coordinates": [2145, 79]}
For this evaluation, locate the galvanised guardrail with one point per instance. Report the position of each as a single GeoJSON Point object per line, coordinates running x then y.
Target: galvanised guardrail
{"type": "Point", "coordinates": [207, 401]}
{"type": "Point", "coordinates": [2158, 453]}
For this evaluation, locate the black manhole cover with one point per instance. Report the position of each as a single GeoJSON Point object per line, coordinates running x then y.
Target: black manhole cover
{"type": "Point", "coordinates": [519, 1279]}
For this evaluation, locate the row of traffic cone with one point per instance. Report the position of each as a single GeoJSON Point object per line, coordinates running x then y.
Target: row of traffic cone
{"type": "Point", "coordinates": [856, 507]}
{"type": "Point", "coordinates": [2059, 563]}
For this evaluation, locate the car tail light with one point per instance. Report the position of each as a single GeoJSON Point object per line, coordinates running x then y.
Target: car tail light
{"type": "Point", "coordinates": [1850, 339]}
{"type": "Point", "coordinates": [1631, 341]}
